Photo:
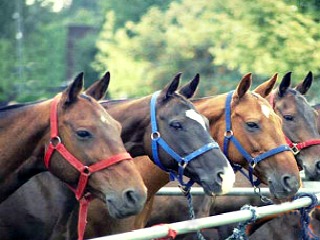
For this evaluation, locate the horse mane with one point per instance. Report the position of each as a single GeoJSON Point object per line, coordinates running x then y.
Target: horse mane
{"type": "Point", "coordinates": [18, 106]}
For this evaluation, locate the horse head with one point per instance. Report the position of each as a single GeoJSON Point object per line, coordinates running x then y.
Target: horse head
{"type": "Point", "coordinates": [92, 136]}
{"type": "Point", "coordinates": [185, 131]}
{"type": "Point", "coordinates": [299, 123]}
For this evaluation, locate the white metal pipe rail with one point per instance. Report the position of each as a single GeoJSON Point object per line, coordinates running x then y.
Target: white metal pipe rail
{"type": "Point", "coordinates": [240, 191]}
{"type": "Point", "coordinates": [208, 222]}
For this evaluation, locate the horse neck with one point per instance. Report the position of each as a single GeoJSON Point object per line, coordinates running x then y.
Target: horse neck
{"type": "Point", "coordinates": [134, 117]}
{"type": "Point", "coordinates": [22, 129]}
{"type": "Point", "coordinates": [213, 108]}
{"type": "Point", "coordinates": [153, 177]}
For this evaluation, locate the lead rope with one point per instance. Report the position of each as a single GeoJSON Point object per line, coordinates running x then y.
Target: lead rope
{"type": "Point", "coordinates": [239, 233]}
{"type": "Point", "coordinates": [187, 194]}
{"type": "Point", "coordinates": [306, 232]}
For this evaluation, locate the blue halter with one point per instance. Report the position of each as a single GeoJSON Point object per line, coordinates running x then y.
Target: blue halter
{"type": "Point", "coordinates": [253, 161]}
{"type": "Point", "coordinates": [182, 161]}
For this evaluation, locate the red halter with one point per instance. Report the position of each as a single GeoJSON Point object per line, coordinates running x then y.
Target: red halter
{"type": "Point", "coordinates": [85, 171]}
{"type": "Point", "coordinates": [296, 147]}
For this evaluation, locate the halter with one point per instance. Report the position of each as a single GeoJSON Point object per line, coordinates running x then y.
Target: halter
{"type": "Point", "coordinates": [182, 161]}
{"type": "Point", "coordinates": [253, 161]}
{"type": "Point", "coordinates": [296, 147]}
{"type": "Point", "coordinates": [56, 144]}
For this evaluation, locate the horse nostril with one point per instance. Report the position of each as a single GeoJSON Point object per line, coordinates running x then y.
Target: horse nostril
{"type": "Point", "coordinates": [318, 166]}
{"type": "Point", "coordinates": [219, 178]}
{"type": "Point", "coordinates": [289, 183]}
{"type": "Point", "coordinates": [131, 197]}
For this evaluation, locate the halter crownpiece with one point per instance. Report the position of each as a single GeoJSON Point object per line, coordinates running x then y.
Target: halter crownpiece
{"type": "Point", "coordinates": [253, 161]}
{"type": "Point", "coordinates": [182, 161]}
{"type": "Point", "coordinates": [56, 144]}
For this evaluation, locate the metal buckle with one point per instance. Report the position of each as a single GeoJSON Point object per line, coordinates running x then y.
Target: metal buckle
{"type": "Point", "coordinates": [295, 150]}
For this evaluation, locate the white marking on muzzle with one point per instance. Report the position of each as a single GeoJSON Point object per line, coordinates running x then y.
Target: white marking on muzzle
{"type": "Point", "coordinates": [228, 179]}
{"type": "Point", "coordinates": [191, 113]}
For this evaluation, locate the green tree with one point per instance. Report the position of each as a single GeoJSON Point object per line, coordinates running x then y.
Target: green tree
{"type": "Point", "coordinates": [220, 40]}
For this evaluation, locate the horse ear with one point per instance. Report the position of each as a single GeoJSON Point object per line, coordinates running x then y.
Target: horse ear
{"type": "Point", "coordinates": [243, 86]}
{"type": "Point", "coordinates": [189, 89]}
{"type": "Point", "coordinates": [70, 95]}
{"type": "Point", "coordinates": [170, 88]}
{"type": "Point", "coordinates": [99, 88]}
{"type": "Point", "coordinates": [304, 86]}
{"type": "Point", "coordinates": [265, 88]}
{"type": "Point", "coordinates": [285, 84]}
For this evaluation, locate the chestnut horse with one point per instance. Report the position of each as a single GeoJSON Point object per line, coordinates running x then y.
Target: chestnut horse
{"type": "Point", "coordinates": [69, 127]}
{"type": "Point", "coordinates": [179, 125]}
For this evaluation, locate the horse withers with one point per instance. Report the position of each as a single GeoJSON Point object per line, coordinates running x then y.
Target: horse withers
{"type": "Point", "coordinates": [75, 131]}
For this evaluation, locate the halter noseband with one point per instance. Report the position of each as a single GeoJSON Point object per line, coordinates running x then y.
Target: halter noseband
{"type": "Point", "coordinates": [253, 161]}
{"type": "Point", "coordinates": [182, 161]}
{"type": "Point", "coordinates": [296, 147]}
{"type": "Point", "coordinates": [85, 171]}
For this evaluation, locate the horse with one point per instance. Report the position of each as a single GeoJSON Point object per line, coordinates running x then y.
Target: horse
{"type": "Point", "coordinates": [180, 126]}
{"type": "Point", "coordinates": [299, 123]}
{"type": "Point", "coordinates": [285, 226]}
{"type": "Point", "coordinates": [70, 136]}
{"type": "Point", "coordinates": [317, 108]}
{"type": "Point", "coordinates": [224, 203]}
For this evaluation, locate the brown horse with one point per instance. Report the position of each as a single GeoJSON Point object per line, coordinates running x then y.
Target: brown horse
{"type": "Point", "coordinates": [299, 123]}
{"type": "Point", "coordinates": [317, 108]}
{"type": "Point", "coordinates": [72, 126]}
{"type": "Point", "coordinates": [180, 126]}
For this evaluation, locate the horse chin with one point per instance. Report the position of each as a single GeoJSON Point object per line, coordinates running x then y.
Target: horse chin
{"type": "Point", "coordinates": [120, 213]}
{"type": "Point", "coordinates": [312, 176]}
{"type": "Point", "coordinates": [211, 189]}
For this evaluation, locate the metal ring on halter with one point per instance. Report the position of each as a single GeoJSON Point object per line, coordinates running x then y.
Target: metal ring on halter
{"type": "Point", "coordinates": [155, 135]}
{"type": "Point", "coordinates": [182, 164]}
{"type": "Point", "coordinates": [295, 150]}
{"type": "Point", "coordinates": [228, 134]}
{"type": "Point", "coordinates": [263, 198]}
{"type": "Point", "coordinates": [86, 170]}
{"type": "Point", "coordinates": [55, 141]}
{"type": "Point", "coordinates": [253, 164]}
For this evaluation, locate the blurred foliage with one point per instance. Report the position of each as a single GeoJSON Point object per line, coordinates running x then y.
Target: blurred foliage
{"type": "Point", "coordinates": [145, 43]}
{"type": "Point", "coordinates": [219, 39]}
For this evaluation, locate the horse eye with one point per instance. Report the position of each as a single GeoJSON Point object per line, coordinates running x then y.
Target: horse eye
{"type": "Point", "coordinates": [176, 125]}
{"type": "Point", "coordinates": [252, 125]}
{"type": "Point", "coordinates": [288, 117]}
{"type": "Point", "coordinates": [83, 134]}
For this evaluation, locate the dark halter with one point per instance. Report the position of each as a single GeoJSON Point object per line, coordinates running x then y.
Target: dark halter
{"type": "Point", "coordinates": [253, 161]}
{"type": "Point", "coordinates": [56, 144]}
{"type": "Point", "coordinates": [182, 161]}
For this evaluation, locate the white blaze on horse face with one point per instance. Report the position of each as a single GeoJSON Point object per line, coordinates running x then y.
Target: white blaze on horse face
{"type": "Point", "coordinates": [191, 113]}
{"type": "Point", "coordinates": [266, 110]}
{"type": "Point", "coordinates": [228, 179]}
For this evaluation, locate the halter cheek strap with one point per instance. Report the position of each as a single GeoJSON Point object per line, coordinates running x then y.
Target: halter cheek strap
{"type": "Point", "coordinates": [182, 161]}
{"type": "Point", "coordinates": [85, 171]}
{"type": "Point", "coordinates": [253, 161]}
{"type": "Point", "coordinates": [295, 147]}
